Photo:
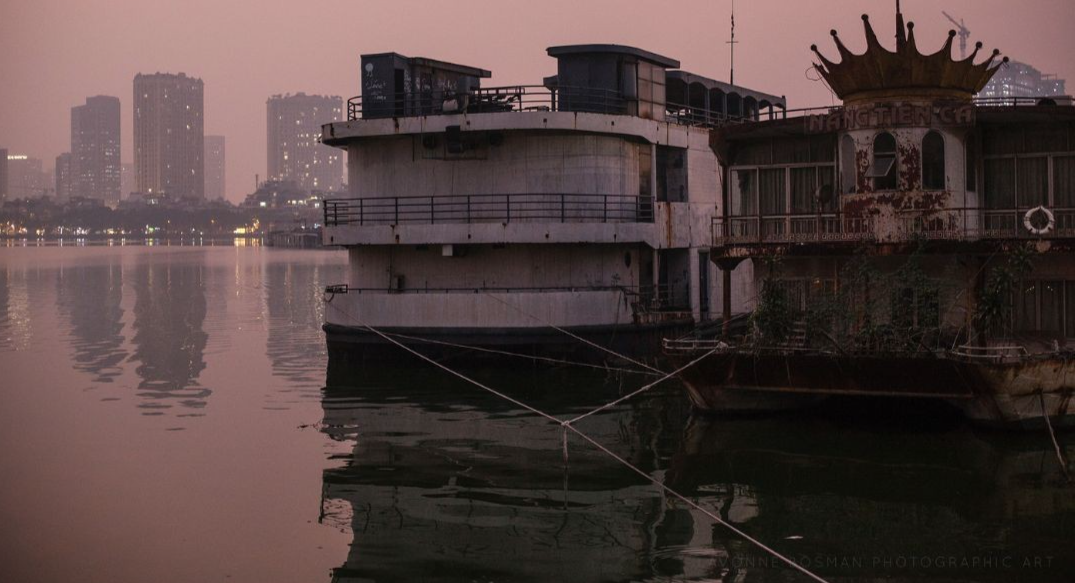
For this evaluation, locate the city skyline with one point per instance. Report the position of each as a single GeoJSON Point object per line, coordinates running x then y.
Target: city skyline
{"type": "Point", "coordinates": [772, 55]}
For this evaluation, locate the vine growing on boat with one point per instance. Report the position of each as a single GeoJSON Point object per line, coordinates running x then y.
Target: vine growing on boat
{"type": "Point", "coordinates": [993, 313]}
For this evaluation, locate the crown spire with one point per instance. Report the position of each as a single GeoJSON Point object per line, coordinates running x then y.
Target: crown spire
{"type": "Point", "coordinates": [906, 72]}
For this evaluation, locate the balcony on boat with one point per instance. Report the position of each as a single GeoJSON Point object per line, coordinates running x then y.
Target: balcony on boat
{"type": "Point", "coordinates": [956, 224]}
{"type": "Point", "coordinates": [498, 218]}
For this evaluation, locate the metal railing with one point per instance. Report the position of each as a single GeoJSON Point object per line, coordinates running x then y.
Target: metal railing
{"type": "Point", "coordinates": [791, 229]}
{"type": "Point", "coordinates": [517, 98]}
{"type": "Point", "coordinates": [489, 208]}
{"type": "Point", "coordinates": [529, 98]}
{"type": "Point", "coordinates": [957, 224]}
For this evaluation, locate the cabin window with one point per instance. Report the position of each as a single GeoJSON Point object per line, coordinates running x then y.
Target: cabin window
{"type": "Point", "coordinates": [1045, 307]}
{"type": "Point", "coordinates": [803, 189]}
{"type": "Point", "coordinates": [1064, 182]}
{"type": "Point", "coordinates": [744, 193]}
{"type": "Point", "coordinates": [849, 168]}
{"type": "Point", "coordinates": [671, 174]}
{"type": "Point", "coordinates": [1032, 179]}
{"type": "Point", "coordinates": [772, 190]}
{"type": "Point", "coordinates": [971, 161]}
{"type": "Point", "coordinates": [933, 175]}
{"type": "Point", "coordinates": [645, 170]}
{"type": "Point", "coordinates": [1000, 183]}
{"type": "Point", "coordinates": [884, 166]}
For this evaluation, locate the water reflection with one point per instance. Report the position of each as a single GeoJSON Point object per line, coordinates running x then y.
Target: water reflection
{"type": "Point", "coordinates": [871, 501]}
{"type": "Point", "coordinates": [296, 344]}
{"type": "Point", "coordinates": [91, 297]}
{"type": "Point", "coordinates": [169, 341]}
{"type": "Point", "coordinates": [443, 483]}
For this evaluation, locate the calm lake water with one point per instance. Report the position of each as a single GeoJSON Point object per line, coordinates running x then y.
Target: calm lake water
{"type": "Point", "coordinates": [170, 414]}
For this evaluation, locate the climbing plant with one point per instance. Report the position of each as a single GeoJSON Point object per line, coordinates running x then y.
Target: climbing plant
{"type": "Point", "coordinates": [993, 315]}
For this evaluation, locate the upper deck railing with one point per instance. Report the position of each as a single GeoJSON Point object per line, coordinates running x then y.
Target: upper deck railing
{"type": "Point", "coordinates": [489, 208]}
{"type": "Point", "coordinates": [957, 224]}
{"type": "Point", "coordinates": [524, 98]}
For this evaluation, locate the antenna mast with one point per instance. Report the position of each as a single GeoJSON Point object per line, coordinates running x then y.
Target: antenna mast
{"type": "Point", "coordinates": [733, 42]}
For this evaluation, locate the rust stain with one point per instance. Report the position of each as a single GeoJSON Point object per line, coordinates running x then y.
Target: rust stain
{"type": "Point", "coordinates": [862, 168]}
{"type": "Point", "coordinates": [910, 158]}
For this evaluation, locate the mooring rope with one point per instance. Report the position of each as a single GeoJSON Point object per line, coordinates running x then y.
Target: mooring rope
{"type": "Point", "coordinates": [520, 355]}
{"type": "Point", "coordinates": [566, 425]}
{"type": "Point", "coordinates": [641, 390]}
{"type": "Point", "coordinates": [1052, 435]}
{"type": "Point", "coordinates": [575, 336]}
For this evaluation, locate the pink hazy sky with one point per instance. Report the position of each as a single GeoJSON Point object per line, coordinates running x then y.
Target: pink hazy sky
{"type": "Point", "coordinates": [55, 53]}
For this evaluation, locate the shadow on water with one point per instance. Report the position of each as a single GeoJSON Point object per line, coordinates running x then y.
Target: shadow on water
{"type": "Point", "coordinates": [443, 482]}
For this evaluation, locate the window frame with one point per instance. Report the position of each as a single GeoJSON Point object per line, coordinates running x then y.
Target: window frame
{"type": "Point", "coordinates": [892, 175]}
{"type": "Point", "coordinates": [943, 159]}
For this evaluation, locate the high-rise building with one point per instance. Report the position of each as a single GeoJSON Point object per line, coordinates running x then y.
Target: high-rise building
{"type": "Point", "coordinates": [127, 182]}
{"type": "Point", "coordinates": [3, 175]}
{"type": "Point", "coordinates": [295, 150]}
{"type": "Point", "coordinates": [169, 135]}
{"type": "Point", "coordinates": [214, 168]}
{"type": "Point", "coordinates": [95, 147]}
{"type": "Point", "coordinates": [25, 177]}
{"type": "Point", "coordinates": [64, 177]}
{"type": "Point", "coordinates": [1016, 79]}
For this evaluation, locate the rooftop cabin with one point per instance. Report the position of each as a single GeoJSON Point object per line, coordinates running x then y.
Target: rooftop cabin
{"type": "Point", "coordinates": [909, 156]}
{"type": "Point", "coordinates": [592, 78]}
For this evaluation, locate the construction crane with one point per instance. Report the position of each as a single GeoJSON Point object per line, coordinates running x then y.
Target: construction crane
{"type": "Point", "coordinates": [963, 31]}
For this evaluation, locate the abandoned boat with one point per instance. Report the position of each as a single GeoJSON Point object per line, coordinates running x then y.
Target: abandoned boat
{"type": "Point", "coordinates": [911, 243]}
{"type": "Point", "coordinates": [526, 217]}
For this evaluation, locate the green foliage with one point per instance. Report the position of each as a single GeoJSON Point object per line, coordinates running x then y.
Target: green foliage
{"type": "Point", "coordinates": [774, 317]}
{"type": "Point", "coordinates": [994, 306]}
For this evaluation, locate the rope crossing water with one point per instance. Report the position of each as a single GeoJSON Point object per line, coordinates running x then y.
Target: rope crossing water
{"type": "Point", "coordinates": [567, 425]}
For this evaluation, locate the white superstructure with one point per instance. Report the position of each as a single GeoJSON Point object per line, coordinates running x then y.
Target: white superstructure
{"type": "Point", "coordinates": [495, 216]}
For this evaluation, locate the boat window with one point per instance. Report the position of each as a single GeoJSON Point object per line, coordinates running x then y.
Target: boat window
{"type": "Point", "coordinates": [744, 193]}
{"type": "Point", "coordinates": [971, 161]}
{"type": "Point", "coordinates": [1032, 177]}
{"type": "Point", "coordinates": [1064, 181]}
{"type": "Point", "coordinates": [999, 183]}
{"type": "Point", "coordinates": [772, 189]}
{"type": "Point", "coordinates": [671, 174]}
{"type": "Point", "coordinates": [933, 175]}
{"type": "Point", "coordinates": [849, 169]}
{"type": "Point", "coordinates": [883, 170]}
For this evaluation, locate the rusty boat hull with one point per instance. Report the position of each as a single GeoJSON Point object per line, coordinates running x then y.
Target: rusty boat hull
{"type": "Point", "coordinates": [1016, 393]}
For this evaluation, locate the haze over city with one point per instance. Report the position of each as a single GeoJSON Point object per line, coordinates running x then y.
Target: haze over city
{"type": "Point", "coordinates": [58, 53]}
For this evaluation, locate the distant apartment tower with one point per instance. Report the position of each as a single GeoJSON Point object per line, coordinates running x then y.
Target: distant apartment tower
{"type": "Point", "coordinates": [1021, 80]}
{"type": "Point", "coordinates": [65, 178]}
{"type": "Point", "coordinates": [26, 177]}
{"type": "Point", "coordinates": [127, 182]}
{"type": "Point", "coordinates": [3, 174]}
{"type": "Point", "coordinates": [214, 167]}
{"type": "Point", "coordinates": [169, 135]}
{"type": "Point", "coordinates": [95, 148]}
{"type": "Point", "coordinates": [295, 149]}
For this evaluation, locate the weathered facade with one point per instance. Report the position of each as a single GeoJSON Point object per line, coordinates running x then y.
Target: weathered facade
{"type": "Point", "coordinates": [496, 216]}
{"type": "Point", "coordinates": [908, 243]}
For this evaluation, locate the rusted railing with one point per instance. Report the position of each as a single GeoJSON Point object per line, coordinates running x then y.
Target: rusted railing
{"type": "Point", "coordinates": [958, 224]}
{"type": "Point", "coordinates": [489, 208]}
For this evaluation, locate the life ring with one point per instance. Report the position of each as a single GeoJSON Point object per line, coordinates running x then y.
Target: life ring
{"type": "Point", "coordinates": [1049, 226]}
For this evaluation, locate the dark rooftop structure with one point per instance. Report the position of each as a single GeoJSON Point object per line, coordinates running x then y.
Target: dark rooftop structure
{"type": "Point", "coordinates": [590, 78]}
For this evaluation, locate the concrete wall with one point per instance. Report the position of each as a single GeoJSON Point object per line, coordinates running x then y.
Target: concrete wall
{"type": "Point", "coordinates": [485, 266]}
{"type": "Point", "coordinates": [481, 310]}
{"type": "Point", "coordinates": [524, 163]}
